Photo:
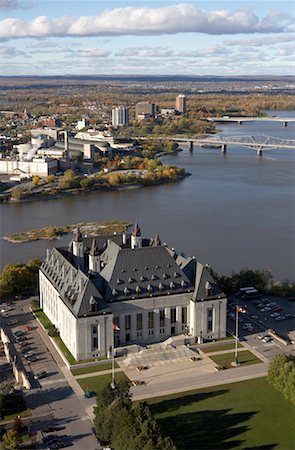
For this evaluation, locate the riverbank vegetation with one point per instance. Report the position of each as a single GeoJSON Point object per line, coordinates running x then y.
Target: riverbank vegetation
{"type": "Point", "coordinates": [116, 173]}
{"type": "Point", "coordinates": [262, 280]}
{"type": "Point", "coordinates": [54, 232]}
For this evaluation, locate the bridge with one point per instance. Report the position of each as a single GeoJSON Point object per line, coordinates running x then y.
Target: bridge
{"type": "Point", "coordinates": [240, 120]}
{"type": "Point", "coordinates": [257, 142]}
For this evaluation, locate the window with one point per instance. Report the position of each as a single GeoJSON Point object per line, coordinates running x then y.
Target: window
{"type": "Point", "coordinates": [209, 320]}
{"type": "Point", "coordinates": [139, 322]}
{"type": "Point", "coordinates": [151, 319]}
{"type": "Point", "coordinates": [162, 318]}
{"type": "Point", "coordinates": [94, 337]}
{"type": "Point", "coordinates": [184, 314]}
{"type": "Point", "coordinates": [173, 315]}
{"type": "Point", "coordinates": [127, 337]}
{"type": "Point", "coordinates": [117, 321]}
{"type": "Point", "coordinates": [127, 322]}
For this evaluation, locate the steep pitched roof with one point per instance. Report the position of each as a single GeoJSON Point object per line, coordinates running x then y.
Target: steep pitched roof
{"type": "Point", "coordinates": [203, 277]}
{"type": "Point", "coordinates": [143, 272]}
{"type": "Point", "coordinates": [74, 286]}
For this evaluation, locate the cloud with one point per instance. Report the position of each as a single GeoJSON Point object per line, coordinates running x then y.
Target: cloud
{"type": "Point", "coordinates": [94, 53]}
{"type": "Point", "coordinates": [260, 41]}
{"type": "Point", "coordinates": [167, 52]}
{"type": "Point", "coordinates": [181, 18]}
{"type": "Point", "coordinates": [10, 52]}
{"type": "Point", "coordinates": [8, 5]}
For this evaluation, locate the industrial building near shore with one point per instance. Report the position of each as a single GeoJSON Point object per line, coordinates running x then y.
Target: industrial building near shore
{"type": "Point", "coordinates": [148, 290]}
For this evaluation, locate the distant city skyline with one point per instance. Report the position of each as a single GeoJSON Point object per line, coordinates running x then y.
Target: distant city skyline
{"type": "Point", "coordinates": [74, 37]}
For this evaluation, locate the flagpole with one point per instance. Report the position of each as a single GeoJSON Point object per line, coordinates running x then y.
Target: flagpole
{"type": "Point", "coordinates": [236, 362]}
{"type": "Point", "coordinates": [113, 359]}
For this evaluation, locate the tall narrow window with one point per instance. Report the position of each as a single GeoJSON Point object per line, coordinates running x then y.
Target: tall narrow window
{"type": "Point", "coordinates": [162, 318]}
{"type": "Point", "coordinates": [151, 319]}
{"type": "Point", "coordinates": [209, 320]}
{"type": "Point", "coordinates": [173, 315]}
{"type": "Point", "coordinates": [184, 314]}
{"type": "Point", "coordinates": [127, 322]}
{"type": "Point", "coordinates": [139, 321]}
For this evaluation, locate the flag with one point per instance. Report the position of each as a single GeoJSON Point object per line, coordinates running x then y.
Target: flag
{"type": "Point", "coordinates": [242, 310]}
{"type": "Point", "coordinates": [116, 328]}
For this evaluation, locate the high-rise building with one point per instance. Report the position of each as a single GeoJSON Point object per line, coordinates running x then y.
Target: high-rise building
{"type": "Point", "coordinates": [144, 109]}
{"type": "Point", "coordinates": [120, 116]}
{"type": "Point", "coordinates": [180, 104]}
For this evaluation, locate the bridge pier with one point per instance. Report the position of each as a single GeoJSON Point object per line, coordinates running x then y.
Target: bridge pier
{"type": "Point", "coordinates": [285, 124]}
{"type": "Point", "coordinates": [240, 122]}
{"type": "Point", "coordinates": [223, 149]}
{"type": "Point", "coordinates": [259, 152]}
{"type": "Point", "coordinates": [191, 146]}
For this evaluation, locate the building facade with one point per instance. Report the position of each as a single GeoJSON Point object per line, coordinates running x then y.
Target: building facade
{"type": "Point", "coordinates": [120, 116]}
{"type": "Point", "coordinates": [180, 104]}
{"type": "Point", "coordinates": [148, 290]}
{"type": "Point", "coordinates": [144, 110]}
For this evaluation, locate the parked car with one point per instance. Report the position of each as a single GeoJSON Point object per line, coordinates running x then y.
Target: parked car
{"type": "Point", "coordinates": [10, 323]}
{"type": "Point", "coordinates": [90, 394]}
{"type": "Point", "coordinates": [267, 339]}
{"type": "Point", "coordinates": [18, 333]}
{"type": "Point", "coordinates": [253, 316]}
{"type": "Point", "coordinates": [32, 358]}
{"type": "Point", "coordinates": [41, 374]}
{"type": "Point", "coordinates": [275, 314]}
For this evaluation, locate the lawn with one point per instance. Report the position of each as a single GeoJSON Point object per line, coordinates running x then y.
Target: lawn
{"type": "Point", "coordinates": [245, 358]}
{"type": "Point", "coordinates": [244, 415]}
{"type": "Point", "coordinates": [96, 383]}
{"type": "Point", "coordinates": [24, 413]}
{"type": "Point", "coordinates": [90, 369]}
{"type": "Point", "coordinates": [218, 348]}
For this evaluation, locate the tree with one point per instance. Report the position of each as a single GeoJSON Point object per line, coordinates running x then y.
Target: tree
{"type": "Point", "coordinates": [35, 180]}
{"type": "Point", "coordinates": [281, 375]}
{"type": "Point", "coordinates": [12, 439]}
{"type": "Point", "coordinates": [16, 278]}
{"type": "Point", "coordinates": [69, 180]}
{"type": "Point", "coordinates": [16, 193]}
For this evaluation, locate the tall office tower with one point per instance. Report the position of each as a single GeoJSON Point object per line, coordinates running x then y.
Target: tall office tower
{"type": "Point", "coordinates": [120, 116]}
{"type": "Point", "coordinates": [180, 104]}
{"type": "Point", "coordinates": [144, 109]}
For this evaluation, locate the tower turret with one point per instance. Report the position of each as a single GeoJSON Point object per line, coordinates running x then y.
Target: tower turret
{"type": "Point", "coordinates": [136, 241]}
{"type": "Point", "coordinates": [78, 248]}
{"type": "Point", "coordinates": [94, 258]}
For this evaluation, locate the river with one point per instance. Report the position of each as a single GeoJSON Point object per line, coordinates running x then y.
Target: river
{"type": "Point", "coordinates": [235, 211]}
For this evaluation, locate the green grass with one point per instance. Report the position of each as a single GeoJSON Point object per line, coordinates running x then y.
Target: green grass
{"type": "Point", "coordinates": [25, 413]}
{"type": "Point", "coordinates": [90, 369]}
{"type": "Point", "coordinates": [244, 415]}
{"type": "Point", "coordinates": [42, 317]}
{"type": "Point", "coordinates": [219, 347]}
{"type": "Point", "coordinates": [245, 358]}
{"type": "Point", "coordinates": [96, 383]}
{"type": "Point", "coordinates": [65, 350]}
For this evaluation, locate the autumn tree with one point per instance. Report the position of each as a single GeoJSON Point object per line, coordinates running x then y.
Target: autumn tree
{"type": "Point", "coordinates": [12, 439]}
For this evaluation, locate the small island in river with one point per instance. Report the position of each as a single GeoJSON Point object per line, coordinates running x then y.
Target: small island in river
{"type": "Point", "coordinates": [55, 232]}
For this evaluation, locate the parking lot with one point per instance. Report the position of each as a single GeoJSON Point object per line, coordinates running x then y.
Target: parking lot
{"type": "Point", "coordinates": [52, 401]}
{"type": "Point", "coordinates": [262, 314]}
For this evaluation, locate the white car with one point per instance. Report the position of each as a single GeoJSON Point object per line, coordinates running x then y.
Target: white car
{"type": "Point", "coordinates": [276, 314]}
{"type": "Point", "coordinates": [266, 339]}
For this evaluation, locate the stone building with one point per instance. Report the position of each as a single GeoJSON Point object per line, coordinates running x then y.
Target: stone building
{"type": "Point", "coordinates": [144, 287]}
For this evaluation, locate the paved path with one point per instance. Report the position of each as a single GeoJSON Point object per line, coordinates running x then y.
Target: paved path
{"type": "Point", "coordinates": [194, 380]}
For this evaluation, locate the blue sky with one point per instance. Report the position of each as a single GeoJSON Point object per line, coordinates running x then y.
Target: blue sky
{"type": "Point", "coordinates": [77, 37]}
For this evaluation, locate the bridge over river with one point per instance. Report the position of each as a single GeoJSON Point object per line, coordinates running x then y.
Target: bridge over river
{"type": "Point", "coordinates": [240, 120]}
{"type": "Point", "coordinates": [257, 142]}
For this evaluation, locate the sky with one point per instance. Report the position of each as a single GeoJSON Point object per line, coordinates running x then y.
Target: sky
{"type": "Point", "coordinates": [81, 37]}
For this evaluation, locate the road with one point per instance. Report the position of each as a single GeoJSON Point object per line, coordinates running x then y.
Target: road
{"type": "Point", "coordinates": [53, 400]}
